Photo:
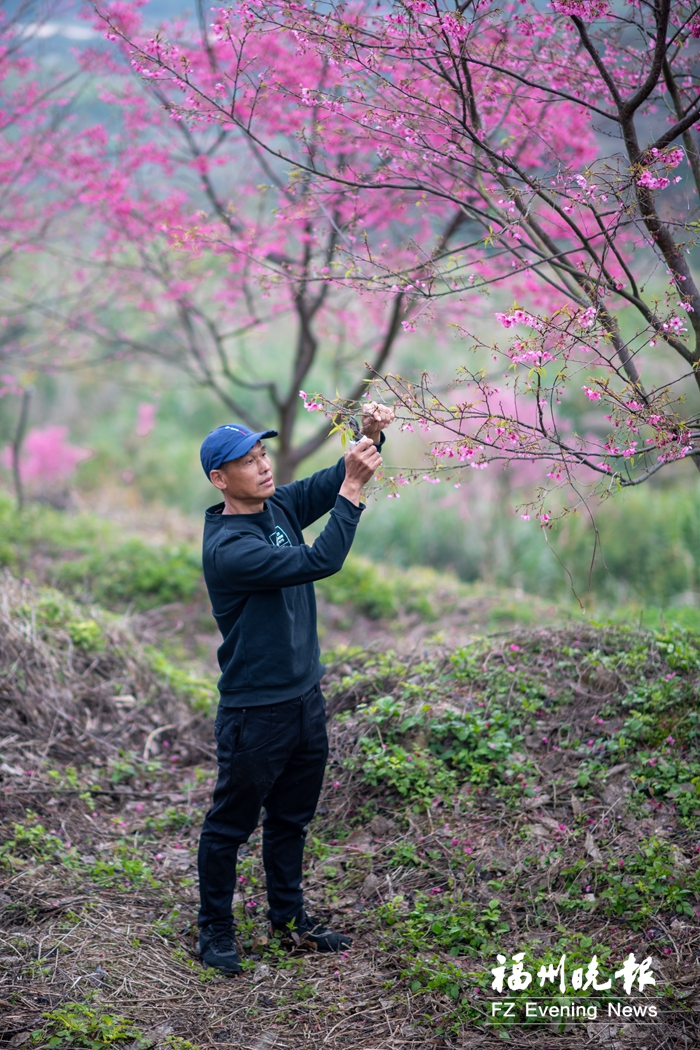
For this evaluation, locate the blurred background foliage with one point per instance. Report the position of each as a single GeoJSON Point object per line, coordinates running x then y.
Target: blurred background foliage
{"type": "Point", "coordinates": [121, 526]}
{"type": "Point", "coordinates": [116, 493]}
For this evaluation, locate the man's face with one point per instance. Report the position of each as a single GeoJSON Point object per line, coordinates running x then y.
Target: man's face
{"type": "Point", "coordinates": [248, 479]}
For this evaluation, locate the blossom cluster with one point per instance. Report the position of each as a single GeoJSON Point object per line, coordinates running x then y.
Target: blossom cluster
{"type": "Point", "coordinates": [518, 316]}
{"type": "Point", "coordinates": [311, 405]}
{"type": "Point", "coordinates": [587, 10]}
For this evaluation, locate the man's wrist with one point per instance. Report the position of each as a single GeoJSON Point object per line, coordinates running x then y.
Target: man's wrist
{"type": "Point", "coordinates": [352, 491]}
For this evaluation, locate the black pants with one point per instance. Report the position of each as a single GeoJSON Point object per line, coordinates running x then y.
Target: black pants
{"type": "Point", "coordinates": [272, 756]}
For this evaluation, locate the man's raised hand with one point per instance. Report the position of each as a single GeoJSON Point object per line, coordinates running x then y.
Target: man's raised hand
{"type": "Point", "coordinates": [361, 461]}
{"type": "Point", "coordinates": [375, 418]}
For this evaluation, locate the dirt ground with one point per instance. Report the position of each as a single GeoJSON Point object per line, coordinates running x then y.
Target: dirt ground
{"type": "Point", "coordinates": [97, 908]}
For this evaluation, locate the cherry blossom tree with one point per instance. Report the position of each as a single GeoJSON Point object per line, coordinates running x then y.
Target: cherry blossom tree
{"type": "Point", "coordinates": [35, 106]}
{"type": "Point", "coordinates": [212, 251]}
{"type": "Point", "coordinates": [28, 104]}
{"type": "Point", "coordinates": [563, 139]}
{"type": "Point", "coordinates": [43, 462]}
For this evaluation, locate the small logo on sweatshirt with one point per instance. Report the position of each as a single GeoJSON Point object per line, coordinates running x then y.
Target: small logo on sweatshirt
{"type": "Point", "coordinates": [279, 538]}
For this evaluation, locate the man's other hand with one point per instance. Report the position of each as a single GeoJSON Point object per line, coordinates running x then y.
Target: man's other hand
{"type": "Point", "coordinates": [361, 461]}
{"type": "Point", "coordinates": [375, 418]}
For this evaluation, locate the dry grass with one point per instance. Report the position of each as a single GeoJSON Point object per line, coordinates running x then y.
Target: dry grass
{"type": "Point", "coordinates": [78, 926]}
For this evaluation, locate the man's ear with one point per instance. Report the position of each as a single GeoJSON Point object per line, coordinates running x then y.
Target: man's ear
{"type": "Point", "coordinates": [217, 479]}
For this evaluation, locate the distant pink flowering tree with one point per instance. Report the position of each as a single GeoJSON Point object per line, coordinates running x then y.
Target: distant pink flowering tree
{"type": "Point", "coordinates": [36, 193]}
{"type": "Point", "coordinates": [47, 459]}
{"type": "Point", "coordinates": [564, 138]}
{"type": "Point", "coordinates": [145, 419]}
{"type": "Point", "coordinates": [37, 210]}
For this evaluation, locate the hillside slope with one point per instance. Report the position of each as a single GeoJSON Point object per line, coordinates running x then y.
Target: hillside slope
{"type": "Point", "coordinates": [534, 792]}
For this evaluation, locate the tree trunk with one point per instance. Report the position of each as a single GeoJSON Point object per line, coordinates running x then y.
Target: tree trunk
{"type": "Point", "coordinates": [285, 466]}
{"type": "Point", "coordinates": [17, 443]}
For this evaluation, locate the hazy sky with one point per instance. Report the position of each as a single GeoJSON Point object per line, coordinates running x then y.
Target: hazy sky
{"type": "Point", "coordinates": [62, 22]}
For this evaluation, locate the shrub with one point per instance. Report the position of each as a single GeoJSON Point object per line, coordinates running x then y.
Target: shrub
{"type": "Point", "coordinates": [382, 593]}
{"type": "Point", "coordinates": [88, 558]}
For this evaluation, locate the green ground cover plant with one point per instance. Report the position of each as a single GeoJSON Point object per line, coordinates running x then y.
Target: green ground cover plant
{"type": "Point", "coordinates": [651, 721]}
{"type": "Point", "coordinates": [29, 840]}
{"type": "Point", "coordinates": [78, 1026]}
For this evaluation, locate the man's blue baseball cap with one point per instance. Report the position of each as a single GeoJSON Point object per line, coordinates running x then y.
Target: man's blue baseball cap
{"type": "Point", "coordinates": [231, 441]}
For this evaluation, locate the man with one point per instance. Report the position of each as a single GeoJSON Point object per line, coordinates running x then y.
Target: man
{"type": "Point", "coordinates": [271, 726]}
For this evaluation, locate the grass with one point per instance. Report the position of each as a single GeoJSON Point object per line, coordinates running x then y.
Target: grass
{"type": "Point", "coordinates": [384, 593]}
{"type": "Point", "coordinates": [89, 559]}
{"type": "Point", "coordinates": [532, 792]}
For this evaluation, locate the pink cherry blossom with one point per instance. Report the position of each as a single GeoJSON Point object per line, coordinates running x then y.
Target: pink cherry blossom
{"type": "Point", "coordinates": [146, 419]}
{"type": "Point", "coordinates": [47, 457]}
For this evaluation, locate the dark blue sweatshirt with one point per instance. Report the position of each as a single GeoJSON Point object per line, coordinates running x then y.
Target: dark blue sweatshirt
{"type": "Point", "coordinates": [260, 573]}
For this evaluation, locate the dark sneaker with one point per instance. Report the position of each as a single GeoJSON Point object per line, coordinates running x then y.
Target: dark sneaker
{"type": "Point", "coordinates": [217, 948]}
{"type": "Point", "coordinates": [313, 934]}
